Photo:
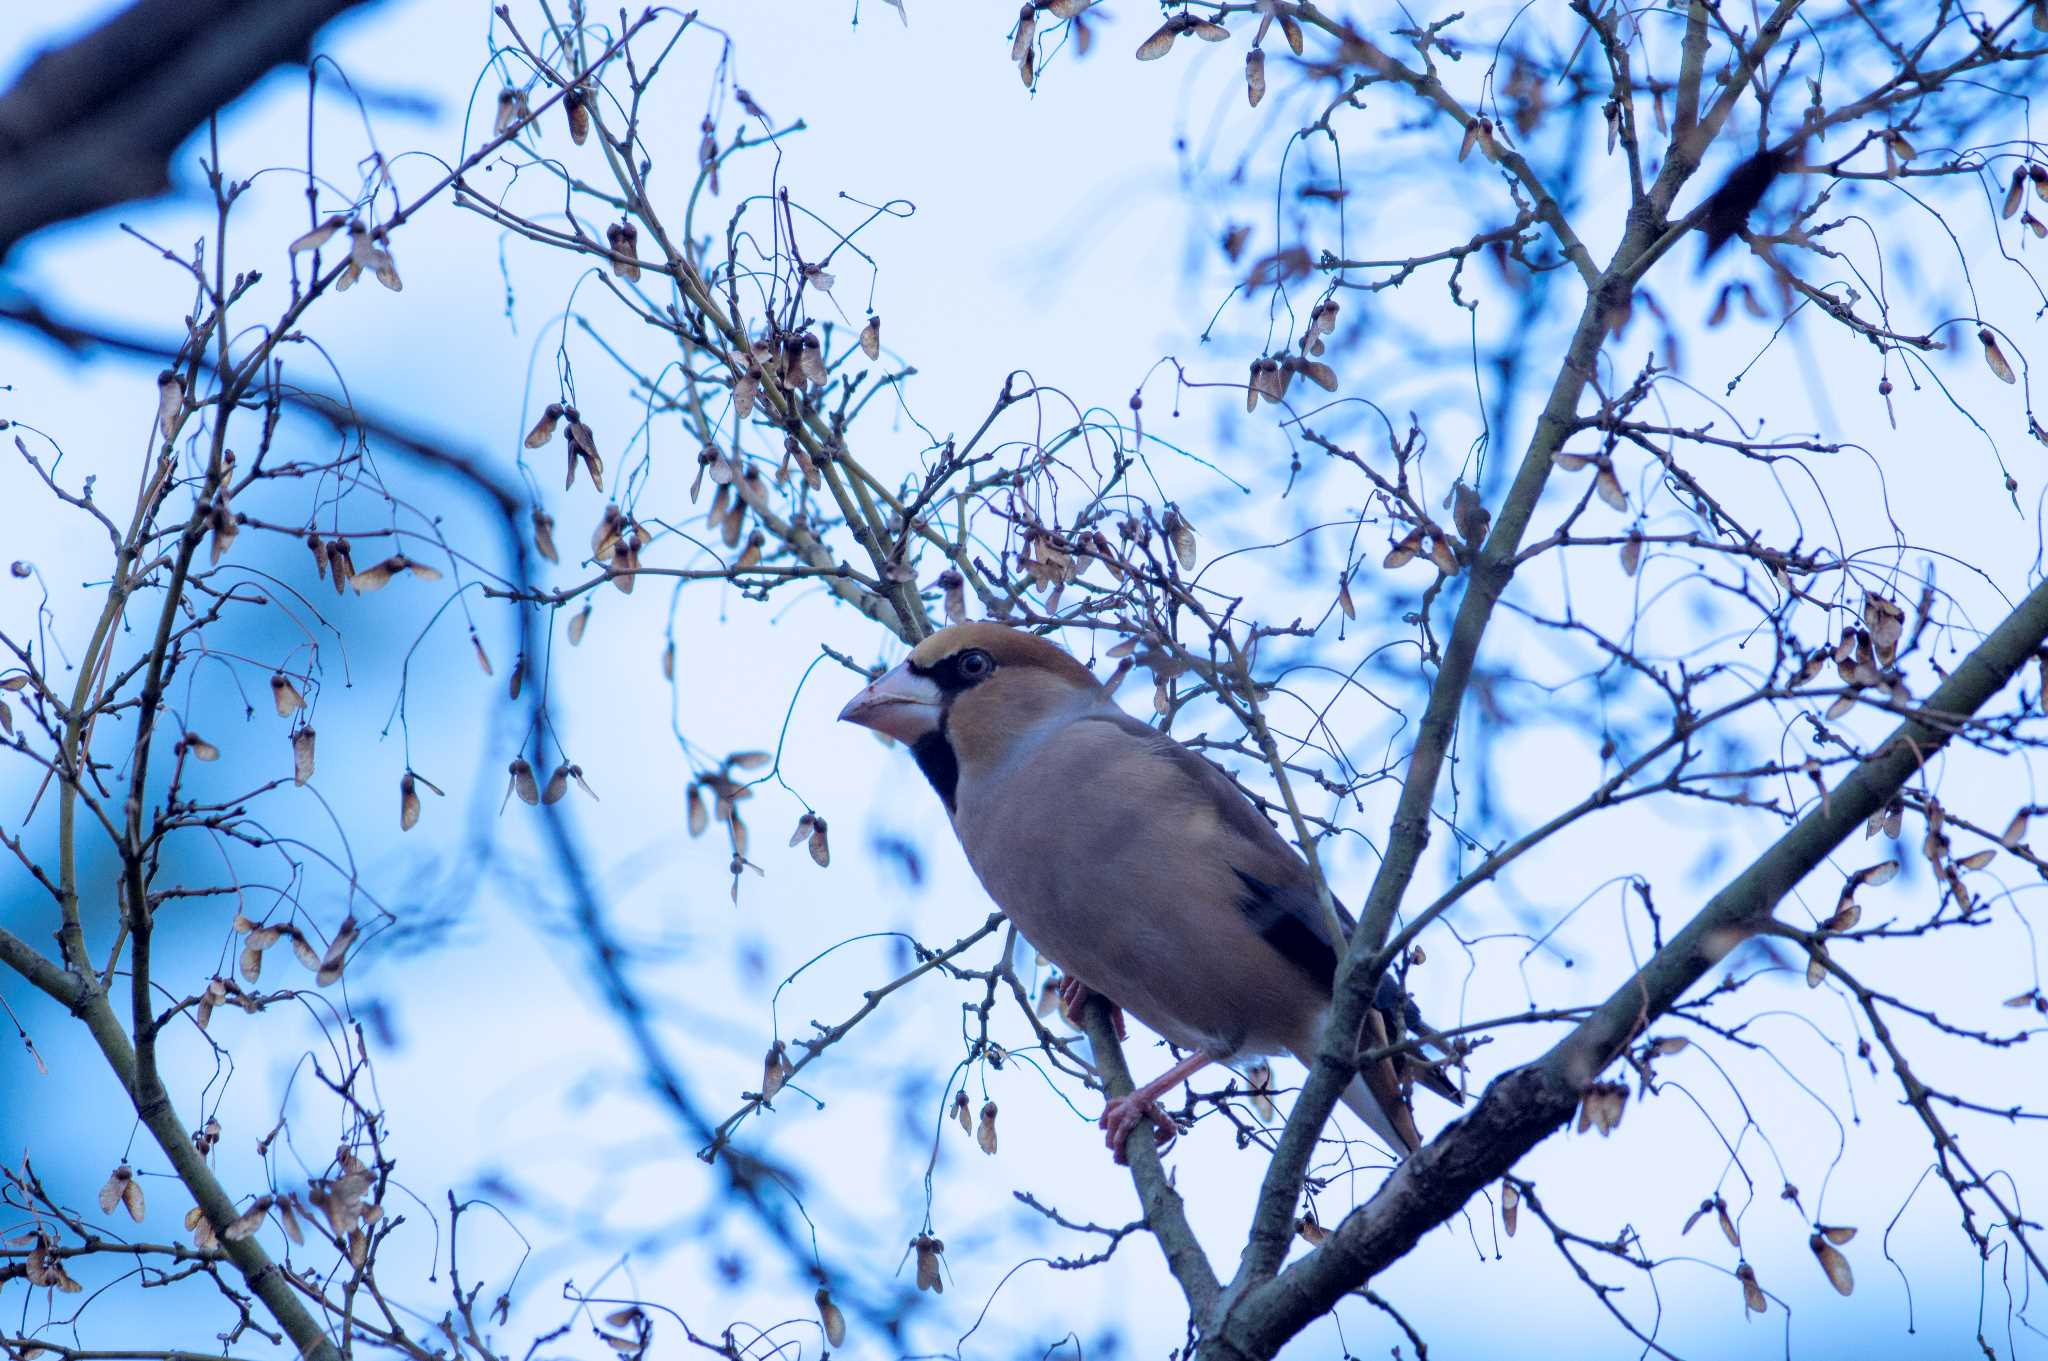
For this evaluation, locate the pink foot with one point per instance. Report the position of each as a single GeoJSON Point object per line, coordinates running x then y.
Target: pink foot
{"type": "Point", "coordinates": [1074, 995]}
{"type": "Point", "coordinates": [1125, 1114]}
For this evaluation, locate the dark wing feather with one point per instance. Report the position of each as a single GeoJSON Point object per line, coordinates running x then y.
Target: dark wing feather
{"type": "Point", "coordinates": [1279, 897]}
{"type": "Point", "coordinates": [1279, 900]}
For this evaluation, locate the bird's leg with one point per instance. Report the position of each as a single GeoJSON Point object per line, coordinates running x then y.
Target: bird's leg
{"type": "Point", "coordinates": [1074, 995]}
{"type": "Point", "coordinates": [1126, 1113]}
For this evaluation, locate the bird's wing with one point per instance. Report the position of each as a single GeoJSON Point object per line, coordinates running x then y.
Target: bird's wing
{"type": "Point", "coordinates": [1279, 901]}
{"type": "Point", "coordinates": [1277, 894]}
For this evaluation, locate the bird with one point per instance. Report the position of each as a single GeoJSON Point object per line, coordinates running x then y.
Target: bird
{"type": "Point", "coordinates": [1139, 869]}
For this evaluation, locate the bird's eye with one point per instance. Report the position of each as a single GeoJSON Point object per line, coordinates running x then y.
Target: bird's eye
{"type": "Point", "coordinates": [974, 664]}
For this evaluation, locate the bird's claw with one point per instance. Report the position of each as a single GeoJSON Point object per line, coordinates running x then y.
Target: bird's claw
{"type": "Point", "coordinates": [1126, 1113]}
{"type": "Point", "coordinates": [1074, 995]}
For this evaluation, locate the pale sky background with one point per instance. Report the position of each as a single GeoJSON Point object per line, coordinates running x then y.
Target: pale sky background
{"type": "Point", "coordinates": [1051, 234]}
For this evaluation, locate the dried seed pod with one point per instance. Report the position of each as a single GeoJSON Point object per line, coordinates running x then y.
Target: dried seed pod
{"type": "Point", "coordinates": [2015, 193]}
{"type": "Point", "coordinates": [1161, 41]}
{"type": "Point", "coordinates": [316, 238]}
{"type": "Point", "coordinates": [544, 428]}
{"type": "Point", "coordinates": [341, 565]}
{"type": "Point", "coordinates": [287, 1208]}
{"type": "Point", "coordinates": [953, 589]}
{"type": "Point", "coordinates": [302, 756]}
{"type": "Point", "coordinates": [200, 748]}
{"type": "Point", "coordinates": [871, 338]}
{"type": "Point", "coordinates": [1255, 76]}
{"type": "Point", "coordinates": [558, 785]}
{"type": "Point", "coordinates": [336, 958]}
{"type": "Point", "coordinates": [377, 576]}
{"type": "Point", "coordinates": [626, 563]}
{"type": "Point", "coordinates": [408, 802]}
{"type": "Point", "coordinates": [170, 403]}
{"type": "Point", "coordinates": [1027, 28]}
{"type": "Point", "coordinates": [522, 781]}
{"type": "Point", "coordinates": [698, 814]}
{"type": "Point", "coordinates": [1510, 1205]}
{"type": "Point", "coordinates": [386, 268]}
{"type": "Point", "coordinates": [930, 1252]}
{"type": "Point", "coordinates": [820, 847]}
{"type": "Point", "coordinates": [1632, 553]}
{"type": "Point", "coordinates": [1833, 1263]}
{"type": "Point", "coordinates": [122, 1189]}
{"type": "Point", "coordinates": [1181, 535]}
{"type": "Point", "coordinates": [285, 695]}
{"type": "Point", "coordinates": [1752, 1293]}
{"type": "Point", "coordinates": [1468, 513]}
{"type": "Point", "coordinates": [831, 1319]}
{"type": "Point", "coordinates": [577, 624]}
{"type": "Point", "coordinates": [247, 1222]}
{"type": "Point", "coordinates": [1886, 622]}
{"type": "Point", "coordinates": [624, 239]}
{"type": "Point", "coordinates": [576, 104]}
{"type": "Point", "coordinates": [985, 1131]}
{"type": "Point", "coordinates": [707, 152]}
{"type": "Point", "coordinates": [1406, 550]}
{"type": "Point", "coordinates": [583, 442]}
{"type": "Point", "coordinates": [1608, 487]}
{"type": "Point", "coordinates": [1994, 358]}
{"type": "Point", "coordinates": [1312, 1233]}
{"type": "Point", "coordinates": [1601, 1107]}
{"type": "Point", "coordinates": [775, 1070]}
{"type": "Point", "coordinates": [544, 535]}
{"type": "Point", "coordinates": [225, 526]}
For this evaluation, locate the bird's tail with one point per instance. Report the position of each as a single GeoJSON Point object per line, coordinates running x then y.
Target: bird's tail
{"type": "Point", "coordinates": [1384, 1112]}
{"type": "Point", "coordinates": [1374, 1096]}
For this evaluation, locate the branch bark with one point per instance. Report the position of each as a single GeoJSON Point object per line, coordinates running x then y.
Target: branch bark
{"type": "Point", "coordinates": [94, 123]}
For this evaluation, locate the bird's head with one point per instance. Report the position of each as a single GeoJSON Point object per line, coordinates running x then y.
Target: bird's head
{"type": "Point", "coordinates": [969, 694]}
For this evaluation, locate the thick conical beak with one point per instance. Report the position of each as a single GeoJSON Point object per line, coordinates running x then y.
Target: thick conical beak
{"type": "Point", "coordinates": [901, 704]}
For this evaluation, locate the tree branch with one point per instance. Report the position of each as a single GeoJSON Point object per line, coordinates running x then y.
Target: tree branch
{"type": "Point", "coordinates": [95, 122]}
{"type": "Point", "coordinates": [1530, 1103]}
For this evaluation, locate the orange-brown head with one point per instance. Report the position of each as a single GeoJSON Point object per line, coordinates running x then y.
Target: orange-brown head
{"type": "Point", "coordinates": [967, 696]}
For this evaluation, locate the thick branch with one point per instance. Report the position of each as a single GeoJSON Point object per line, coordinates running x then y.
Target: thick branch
{"type": "Point", "coordinates": [1530, 1103]}
{"type": "Point", "coordinates": [94, 123]}
{"type": "Point", "coordinates": [1165, 1212]}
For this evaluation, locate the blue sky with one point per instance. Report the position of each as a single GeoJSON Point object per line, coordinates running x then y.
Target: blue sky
{"type": "Point", "coordinates": [1051, 234]}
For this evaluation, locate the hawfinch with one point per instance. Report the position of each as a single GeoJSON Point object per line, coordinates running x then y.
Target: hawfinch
{"type": "Point", "coordinates": [1135, 866]}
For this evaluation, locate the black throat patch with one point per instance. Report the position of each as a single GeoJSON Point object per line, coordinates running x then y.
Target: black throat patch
{"type": "Point", "coordinates": [935, 758]}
